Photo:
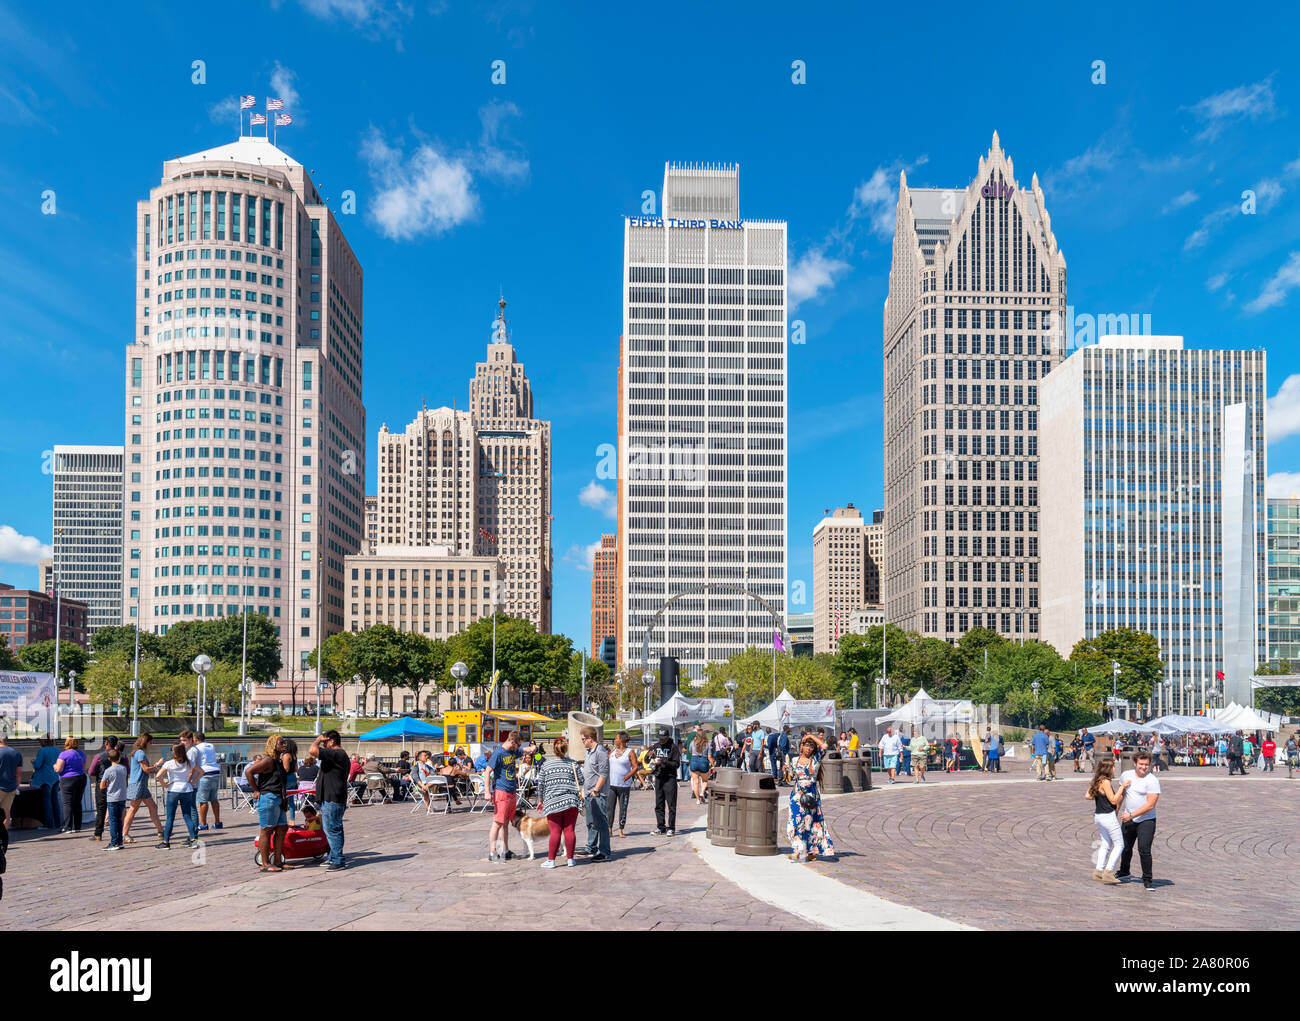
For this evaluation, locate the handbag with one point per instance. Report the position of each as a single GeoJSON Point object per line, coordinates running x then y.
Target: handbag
{"type": "Point", "coordinates": [808, 801]}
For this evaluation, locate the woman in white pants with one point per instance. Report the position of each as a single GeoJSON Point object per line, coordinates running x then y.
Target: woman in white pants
{"type": "Point", "coordinates": [1105, 797]}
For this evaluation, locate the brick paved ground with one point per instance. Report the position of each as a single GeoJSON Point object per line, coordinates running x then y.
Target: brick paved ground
{"type": "Point", "coordinates": [406, 872]}
{"type": "Point", "coordinates": [1012, 853]}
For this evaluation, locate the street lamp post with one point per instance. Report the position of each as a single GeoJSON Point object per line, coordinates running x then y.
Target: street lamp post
{"type": "Point", "coordinates": [72, 690]}
{"type": "Point", "coordinates": [135, 679]}
{"type": "Point", "coordinates": [731, 687]}
{"type": "Point", "coordinates": [243, 670]}
{"type": "Point", "coordinates": [201, 665]}
{"type": "Point", "coordinates": [356, 683]}
{"type": "Point", "coordinates": [320, 690]}
{"type": "Point", "coordinates": [1114, 687]}
{"type": "Point", "coordinates": [459, 671]}
{"type": "Point", "coordinates": [647, 679]}
{"type": "Point", "coordinates": [855, 694]}
{"type": "Point", "coordinates": [1035, 685]}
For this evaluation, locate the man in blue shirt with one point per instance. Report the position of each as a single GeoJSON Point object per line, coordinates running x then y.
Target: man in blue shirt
{"type": "Point", "coordinates": [759, 739]}
{"type": "Point", "coordinates": [1042, 745]}
{"type": "Point", "coordinates": [906, 752]}
{"type": "Point", "coordinates": [11, 764]}
{"type": "Point", "coordinates": [779, 751]}
{"type": "Point", "coordinates": [1089, 742]}
{"type": "Point", "coordinates": [500, 787]}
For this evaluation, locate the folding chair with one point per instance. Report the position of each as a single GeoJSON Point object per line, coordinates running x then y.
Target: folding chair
{"type": "Point", "coordinates": [439, 788]}
{"type": "Point", "coordinates": [422, 800]}
{"type": "Point", "coordinates": [469, 791]}
{"type": "Point", "coordinates": [306, 791]}
{"type": "Point", "coordinates": [376, 788]}
{"type": "Point", "coordinates": [357, 792]}
{"type": "Point", "coordinates": [242, 796]}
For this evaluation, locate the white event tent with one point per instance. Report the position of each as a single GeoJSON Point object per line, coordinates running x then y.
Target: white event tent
{"type": "Point", "coordinates": [1240, 717]}
{"type": "Point", "coordinates": [1178, 724]}
{"type": "Point", "coordinates": [680, 711]}
{"type": "Point", "coordinates": [924, 709]}
{"type": "Point", "coordinates": [787, 710]}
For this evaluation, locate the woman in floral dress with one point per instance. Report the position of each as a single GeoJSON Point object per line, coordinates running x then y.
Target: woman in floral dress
{"type": "Point", "coordinates": [806, 829]}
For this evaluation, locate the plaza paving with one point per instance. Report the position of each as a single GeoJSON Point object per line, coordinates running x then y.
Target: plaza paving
{"type": "Point", "coordinates": [984, 851]}
{"type": "Point", "coordinates": [1009, 852]}
{"type": "Point", "coordinates": [405, 872]}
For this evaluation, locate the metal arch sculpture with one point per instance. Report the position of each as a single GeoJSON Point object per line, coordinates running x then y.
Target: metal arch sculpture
{"type": "Point", "coordinates": [707, 586]}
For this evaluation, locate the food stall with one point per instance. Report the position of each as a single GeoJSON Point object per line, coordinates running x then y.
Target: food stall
{"type": "Point", "coordinates": [479, 730]}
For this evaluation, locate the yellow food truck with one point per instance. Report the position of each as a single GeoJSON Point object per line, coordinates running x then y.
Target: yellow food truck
{"type": "Point", "coordinates": [479, 730]}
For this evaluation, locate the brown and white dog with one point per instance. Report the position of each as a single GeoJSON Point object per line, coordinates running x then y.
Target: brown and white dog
{"type": "Point", "coordinates": [531, 827]}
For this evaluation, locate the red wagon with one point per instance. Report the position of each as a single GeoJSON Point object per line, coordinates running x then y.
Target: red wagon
{"type": "Point", "coordinates": [299, 845]}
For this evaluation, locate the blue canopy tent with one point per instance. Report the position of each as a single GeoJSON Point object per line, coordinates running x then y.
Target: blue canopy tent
{"type": "Point", "coordinates": [403, 727]}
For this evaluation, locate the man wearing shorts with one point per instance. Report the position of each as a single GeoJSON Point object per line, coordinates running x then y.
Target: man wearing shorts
{"type": "Point", "coordinates": [501, 784]}
{"type": "Point", "coordinates": [1089, 742]}
{"type": "Point", "coordinates": [203, 754]}
{"type": "Point", "coordinates": [890, 746]}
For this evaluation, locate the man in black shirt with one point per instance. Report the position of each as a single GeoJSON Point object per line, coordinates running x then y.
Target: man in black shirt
{"type": "Point", "coordinates": [665, 758]}
{"type": "Point", "coordinates": [332, 792]}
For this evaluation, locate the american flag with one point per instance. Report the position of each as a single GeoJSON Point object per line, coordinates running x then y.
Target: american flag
{"type": "Point", "coordinates": [281, 119]}
{"type": "Point", "coordinates": [247, 102]}
{"type": "Point", "coordinates": [274, 104]}
{"type": "Point", "coordinates": [257, 118]}
{"type": "Point", "coordinates": [487, 535]}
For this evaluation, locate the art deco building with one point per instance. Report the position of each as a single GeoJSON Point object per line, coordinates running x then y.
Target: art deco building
{"type": "Point", "coordinates": [245, 429]}
{"type": "Point", "coordinates": [873, 535]}
{"type": "Point", "coordinates": [477, 482]}
{"type": "Point", "coordinates": [1153, 508]}
{"type": "Point", "coordinates": [975, 285]}
{"type": "Point", "coordinates": [702, 424]}
{"type": "Point", "coordinates": [839, 562]}
{"type": "Point", "coordinates": [372, 523]}
{"type": "Point", "coordinates": [604, 582]}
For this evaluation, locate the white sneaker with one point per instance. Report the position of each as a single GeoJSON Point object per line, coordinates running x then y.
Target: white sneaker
{"type": "Point", "coordinates": [669, 833]}
{"type": "Point", "coordinates": [548, 864]}
{"type": "Point", "coordinates": [570, 863]}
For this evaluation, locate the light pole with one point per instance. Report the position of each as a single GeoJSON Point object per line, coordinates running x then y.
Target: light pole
{"type": "Point", "coordinates": [1115, 671]}
{"type": "Point", "coordinates": [1020, 599]}
{"type": "Point", "coordinates": [72, 689]}
{"type": "Point", "coordinates": [201, 665]}
{"type": "Point", "coordinates": [243, 668]}
{"type": "Point", "coordinates": [731, 687]}
{"type": "Point", "coordinates": [356, 683]}
{"type": "Point", "coordinates": [583, 696]}
{"type": "Point", "coordinates": [135, 679]}
{"type": "Point", "coordinates": [855, 694]}
{"type": "Point", "coordinates": [647, 679]}
{"type": "Point", "coordinates": [58, 623]}
{"type": "Point", "coordinates": [459, 671]}
{"type": "Point", "coordinates": [320, 690]}
{"type": "Point", "coordinates": [1035, 685]}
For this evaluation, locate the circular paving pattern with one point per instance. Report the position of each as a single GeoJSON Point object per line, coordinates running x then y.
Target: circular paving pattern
{"type": "Point", "coordinates": [1019, 854]}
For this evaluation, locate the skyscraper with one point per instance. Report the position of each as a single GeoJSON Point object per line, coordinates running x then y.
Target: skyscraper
{"type": "Point", "coordinates": [1284, 581]}
{"type": "Point", "coordinates": [604, 581]}
{"type": "Point", "coordinates": [245, 448]}
{"type": "Point", "coordinates": [873, 534]}
{"type": "Point", "coordinates": [839, 562]}
{"type": "Point", "coordinates": [477, 482]}
{"type": "Point", "coordinates": [1153, 508]}
{"type": "Point", "coordinates": [702, 423]}
{"type": "Point", "coordinates": [372, 523]}
{"type": "Point", "coordinates": [975, 288]}
{"type": "Point", "coordinates": [88, 529]}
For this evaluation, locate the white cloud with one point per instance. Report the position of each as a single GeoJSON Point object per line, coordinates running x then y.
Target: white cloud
{"type": "Point", "coordinates": [428, 193]}
{"type": "Point", "coordinates": [494, 158]}
{"type": "Point", "coordinates": [597, 497]}
{"type": "Point", "coordinates": [1282, 485]}
{"type": "Point", "coordinates": [813, 272]}
{"type": "Point", "coordinates": [223, 111]}
{"type": "Point", "coordinates": [1284, 410]}
{"type": "Point", "coordinates": [373, 13]}
{"type": "Point", "coordinates": [1284, 281]}
{"type": "Point", "coordinates": [876, 201]}
{"type": "Point", "coordinates": [16, 548]}
{"type": "Point", "coordinates": [1245, 101]}
{"type": "Point", "coordinates": [1217, 281]}
{"type": "Point", "coordinates": [283, 87]}
{"type": "Point", "coordinates": [1180, 201]}
{"type": "Point", "coordinates": [1098, 158]}
{"type": "Point", "coordinates": [1210, 222]}
{"type": "Point", "coordinates": [583, 557]}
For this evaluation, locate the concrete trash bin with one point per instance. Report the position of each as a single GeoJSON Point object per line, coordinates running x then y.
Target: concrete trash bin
{"type": "Point", "coordinates": [722, 807]}
{"type": "Point", "coordinates": [756, 802]}
{"type": "Point", "coordinates": [852, 772]}
{"type": "Point", "coordinates": [831, 780]}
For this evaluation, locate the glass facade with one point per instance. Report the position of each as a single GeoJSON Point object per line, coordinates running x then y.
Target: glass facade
{"type": "Point", "coordinates": [1284, 581]}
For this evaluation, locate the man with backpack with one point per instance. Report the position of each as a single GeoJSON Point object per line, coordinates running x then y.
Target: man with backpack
{"type": "Point", "coordinates": [778, 747]}
{"type": "Point", "coordinates": [665, 758]}
{"type": "Point", "coordinates": [1235, 749]}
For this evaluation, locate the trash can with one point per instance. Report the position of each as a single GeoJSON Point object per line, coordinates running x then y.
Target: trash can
{"type": "Point", "coordinates": [831, 780]}
{"type": "Point", "coordinates": [756, 802]}
{"type": "Point", "coordinates": [722, 807]}
{"type": "Point", "coordinates": [852, 772]}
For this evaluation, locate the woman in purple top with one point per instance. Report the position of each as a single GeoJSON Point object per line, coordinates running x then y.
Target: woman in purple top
{"type": "Point", "coordinates": [71, 768]}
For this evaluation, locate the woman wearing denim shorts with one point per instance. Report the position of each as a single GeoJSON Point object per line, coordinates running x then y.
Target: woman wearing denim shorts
{"type": "Point", "coordinates": [267, 775]}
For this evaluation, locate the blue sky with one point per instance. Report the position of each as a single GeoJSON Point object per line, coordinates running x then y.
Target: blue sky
{"type": "Point", "coordinates": [464, 187]}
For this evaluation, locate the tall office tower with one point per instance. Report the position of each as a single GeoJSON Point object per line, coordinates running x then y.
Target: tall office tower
{"type": "Point", "coordinates": [45, 568]}
{"type": "Point", "coordinates": [428, 482]}
{"type": "Point", "coordinates": [702, 414]}
{"type": "Point", "coordinates": [873, 535]}
{"type": "Point", "coordinates": [372, 524]}
{"type": "Point", "coordinates": [975, 287]}
{"type": "Point", "coordinates": [245, 430]}
{"type": "Point", "coordinates": [604, 582]}
{"type": "Point", "coordinates": [1284, 581]}
{"type": "Point", "coordinates": [839, 561]}
{"type": "Point", "coordinates": [514, 479]}
{"type": "Point", "coordinates": [88, 529]}
{"type": "Point", "coordinates": [1153, 508]}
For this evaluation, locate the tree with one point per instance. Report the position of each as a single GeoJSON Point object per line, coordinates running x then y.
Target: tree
{"type": "Point", "coordinates": [8, 661]}
{"type": "Point", "coordinates": [340, 653]}
{"type": "Point", "coordinates": [108, 681]}
{"type": "Point", "coordinates": [423, 661]}
{"type": "Point", "coordinates": [1138, 654]}
{"type": "Point", "coordinates": [974, 646]}
{"type": "Point", "coordinates": [379, 654]}
{"type": "Point", "coordinates": [1068, 692]}
{"type": "Point", "coordinates": [863, 658]}
{"type": "Point", "coordinates": [805, 677]}
{"type": "Point", "coordinates": [39, 658]}
{"type": "Point", "coordinates": [597, 678]}
{"type": "Point", "coordinates": [121, 637]}
{"type": "Point", "coordinates": [1284, 701]}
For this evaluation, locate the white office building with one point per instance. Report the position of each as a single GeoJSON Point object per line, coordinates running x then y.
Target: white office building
{"type": "Point", "coordinates": [88, 530]}
{"type": "Point", "coordinates": [1153, 508]}
{"type": "Point", "coordinates": [702, 424]}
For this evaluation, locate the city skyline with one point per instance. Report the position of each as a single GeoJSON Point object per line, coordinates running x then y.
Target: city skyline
{"type": "Point", "coordinates": [1117, 177]}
